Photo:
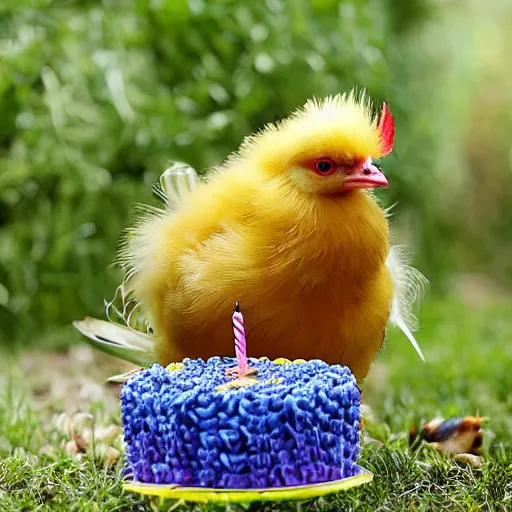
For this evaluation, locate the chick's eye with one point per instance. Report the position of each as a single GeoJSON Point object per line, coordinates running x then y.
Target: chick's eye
{"type": "Point", "coordinates": [324, 167]}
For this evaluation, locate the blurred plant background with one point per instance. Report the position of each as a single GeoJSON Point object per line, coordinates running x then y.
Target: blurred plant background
{"type": "Point", "coordinates": [97, 97]}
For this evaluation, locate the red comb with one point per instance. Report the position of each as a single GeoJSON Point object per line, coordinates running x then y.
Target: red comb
{"type": "Point", "coordinates": [386, 129]}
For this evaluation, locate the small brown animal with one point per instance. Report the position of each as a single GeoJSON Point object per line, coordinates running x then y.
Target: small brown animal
{"type": "Point", "coordinates": [458, 437]}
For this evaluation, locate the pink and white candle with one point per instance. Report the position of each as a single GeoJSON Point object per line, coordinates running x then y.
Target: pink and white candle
{"type": "Point", "coordinates": [240, 341]}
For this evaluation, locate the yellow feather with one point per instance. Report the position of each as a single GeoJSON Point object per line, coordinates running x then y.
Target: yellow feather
{"type": "Point", "coordinates": [306, 263]}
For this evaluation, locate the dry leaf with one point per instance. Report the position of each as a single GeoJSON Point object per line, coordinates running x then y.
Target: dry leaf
{"type": "Point", "coordinates": [108, 434]}
{"type": "Point", "coordinates": [469, 458]}
{"type": "Point", "coordinates": [107, 454]}
{"type": "Point", "coordinates": [71, 447]}
{"type": "Point", "coordinates": [48, 450]}
{"type": "Point", "coordinates": [87, 438]}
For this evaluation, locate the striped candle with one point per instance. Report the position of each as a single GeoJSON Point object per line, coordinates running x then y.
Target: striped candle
{"type": "Point", "coordinates": [240, 341]}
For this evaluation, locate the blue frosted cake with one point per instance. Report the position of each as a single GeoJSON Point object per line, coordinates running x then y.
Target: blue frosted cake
{"type": "Point", "coordinates": [290, 424]}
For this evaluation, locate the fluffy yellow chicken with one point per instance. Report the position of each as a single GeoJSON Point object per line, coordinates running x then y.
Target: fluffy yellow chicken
{"type": "Point", "coordinates": [288, 227]}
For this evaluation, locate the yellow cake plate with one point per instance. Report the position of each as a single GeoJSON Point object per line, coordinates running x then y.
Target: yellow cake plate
{"type": "Point", "coordinates": [206, 495]}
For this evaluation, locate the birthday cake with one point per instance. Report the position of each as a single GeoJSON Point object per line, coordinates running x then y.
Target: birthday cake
{"type": "Point", "coordinates": [287, 424]}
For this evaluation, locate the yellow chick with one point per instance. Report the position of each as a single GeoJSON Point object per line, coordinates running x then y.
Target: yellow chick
{"type": "Point", "coordinates": [288, 226]}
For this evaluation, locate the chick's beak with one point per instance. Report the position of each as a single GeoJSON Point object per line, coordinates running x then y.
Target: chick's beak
{"type": "Point", "coordinates": [365, 175]}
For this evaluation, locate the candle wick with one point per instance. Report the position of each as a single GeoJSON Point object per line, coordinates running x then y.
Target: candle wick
{"type": "Point", "coordinates": [237, 307]}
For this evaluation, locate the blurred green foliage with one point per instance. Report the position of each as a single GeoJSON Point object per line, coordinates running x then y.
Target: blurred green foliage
{"type": "Point", "coordinates": [97, 98]}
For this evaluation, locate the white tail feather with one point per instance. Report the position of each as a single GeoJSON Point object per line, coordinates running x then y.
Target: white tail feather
{"type": "Point", "coordinates": [408, 289]}
{"type": "Point", "coordinates": [176, 183]}
{"type": "Point", "coordinates": [115, 333]}
{"type": "Point", "coordinates": [118, 340]}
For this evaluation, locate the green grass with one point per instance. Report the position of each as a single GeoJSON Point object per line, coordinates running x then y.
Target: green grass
{"type": "Point", "coordinates": [468, 371]}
